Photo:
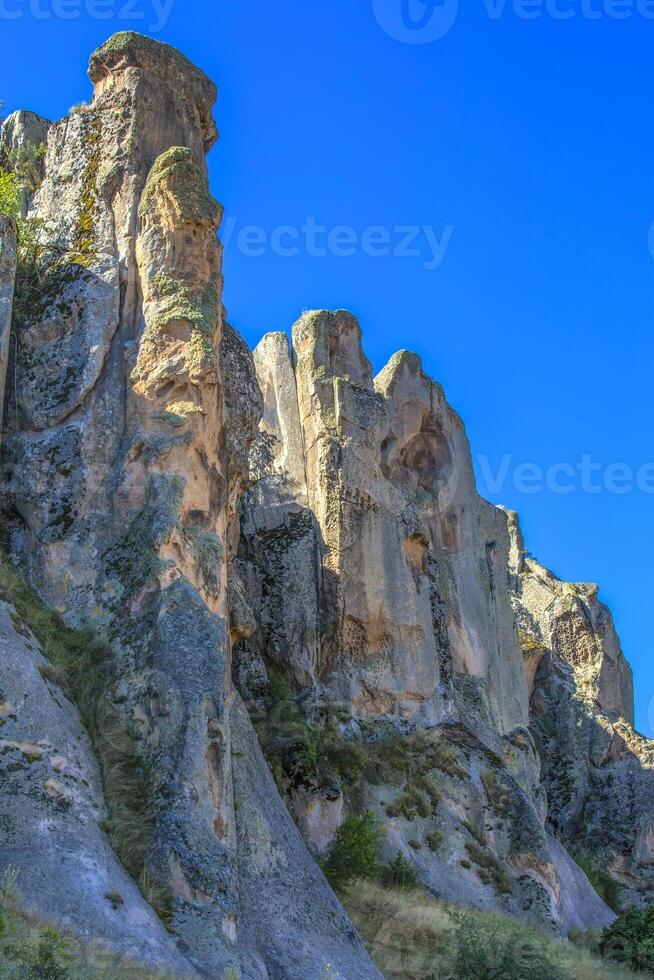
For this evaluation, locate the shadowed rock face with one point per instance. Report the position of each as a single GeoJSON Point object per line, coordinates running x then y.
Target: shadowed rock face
{"type": "Point", "coordinates": [597, 771]}
{"type": "Point", "coordinates": [7, 279]}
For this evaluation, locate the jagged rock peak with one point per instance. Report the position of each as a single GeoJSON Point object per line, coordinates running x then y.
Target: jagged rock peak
{"type": "Point", "coordinates": [23, 128]}
{"type": "Point", "coordinates": [128, 53]}
{"type": "Point", "coordinates": [332, 340]}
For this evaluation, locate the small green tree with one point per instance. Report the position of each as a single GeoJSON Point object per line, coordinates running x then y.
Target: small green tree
{"type": "Point", "coordinates": [355, 851]}
{"type": "Point", "coordinates": [10, 196]}
{"type": "Point", "coordinates": [399, 873]}
{"type": "Point", "coordinates": [630, 940]}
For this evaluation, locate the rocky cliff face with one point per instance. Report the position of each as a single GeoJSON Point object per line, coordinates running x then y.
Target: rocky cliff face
{"type": "Point", "coordinates": [379, 583]}
{"type": "Point", "coordinates": [597, 771]}
{"type": "Point", "coordinates": [7, 279]}
{"type": "Point", "coordinates": [117, 507]}
{"type": "Point", "coordinates": [279, 526]}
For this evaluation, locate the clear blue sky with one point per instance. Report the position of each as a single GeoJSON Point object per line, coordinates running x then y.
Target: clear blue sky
{"type": "Point", "coordinates": [533, 139]}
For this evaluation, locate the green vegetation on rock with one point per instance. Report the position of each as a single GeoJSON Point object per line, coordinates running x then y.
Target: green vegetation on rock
{"type": "Point", "coordinates": [355, 850]}
{"type": "Point", "coordinates": [80, 664]}
{"type": "Point", "coordinates": [304, 753]}
{"type": "Point", "coordinates": [9, 195]}
{"type": "Point", "coordinates": [605, 886]}
{"type": "Point", "coordinates": [630, 940]}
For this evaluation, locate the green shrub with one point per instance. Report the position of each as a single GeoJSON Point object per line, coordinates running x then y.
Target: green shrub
{"type": "Point", "coordinates": [494, 948]}
{"type": "Point", "coordinates": [630, 940]}
{"type": "Point", "coordinates": [489, 869]}
{"type": "Point", "coordinates": [607, 889]}
{"type": "Point", "coordinates": [355, 851]}
{"type": "Point", "coordinates": [399, 873]}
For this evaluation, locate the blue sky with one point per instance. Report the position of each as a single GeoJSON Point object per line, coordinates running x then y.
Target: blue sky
{"type": "Point", "coordinates": [518, 152]}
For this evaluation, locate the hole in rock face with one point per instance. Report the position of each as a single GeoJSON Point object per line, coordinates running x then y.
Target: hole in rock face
{"type": "Point", "coordinates": [423, 462]}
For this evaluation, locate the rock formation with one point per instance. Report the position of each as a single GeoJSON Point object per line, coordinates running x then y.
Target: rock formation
{"type": "Point", "coordinates": [597, 771]}
{"type": "Point", "coordinates": [7, 279]}
{"type": "Point", "coordinates": [304, 609]}
{"type": "Point", "coordinates": [378, 580]}
{"type": "Point", "coordinates": [116, 484]}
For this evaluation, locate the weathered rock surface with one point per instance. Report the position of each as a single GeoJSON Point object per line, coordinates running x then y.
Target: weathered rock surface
{"type": "Point", "coordinates": [597, 771]}
{"type": "Point", "coordinates": [52, 808]}
{"type": "Point", "coordinates": [7, 280]}
{"type": "Point", "coordinates": [121, 481]}
{"type": "Point", "coordinates": [284, 520]}
{"type": "Point", "coordinates": [374, 481]}
{"type": "Point", "coordinates": [378, 582]}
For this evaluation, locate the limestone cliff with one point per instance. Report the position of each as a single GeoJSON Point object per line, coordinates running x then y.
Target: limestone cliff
{"type": "Point", "coordinates": [597, 771]}
{"type": "Point", "coordinates": [291, 603]}
{"type": "Point", "coordinates": [117, 509]}
{"type": "Point", "coordinates": [378, 580]}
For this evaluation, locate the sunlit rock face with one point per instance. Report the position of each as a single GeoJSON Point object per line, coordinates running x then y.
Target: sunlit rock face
{"type": "Point", "coordinates": [363, 496]}
{"type": "Point", "coordinates": [377, 581]}
{"type": "Point", "coordinates": [120, 487]}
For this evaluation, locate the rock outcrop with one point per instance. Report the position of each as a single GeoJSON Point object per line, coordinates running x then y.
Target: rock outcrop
{"type": "Point", "coordinates": [306, 610]}
{"type": "Point", "coordinates": [117, 503]}
{"type": "Point", "coordinates": [23, 136]}
{"type": "Point", "coordinates": [378, 581]}
{"type": "Point", "coordinates": [597, 771]}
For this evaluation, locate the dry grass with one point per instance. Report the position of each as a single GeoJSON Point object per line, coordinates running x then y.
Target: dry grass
{"type": "Point", "coordinates": [413, 937]}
